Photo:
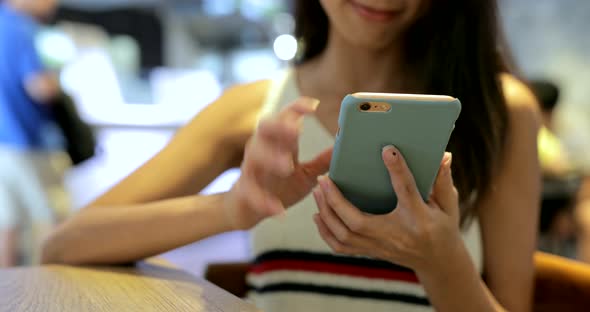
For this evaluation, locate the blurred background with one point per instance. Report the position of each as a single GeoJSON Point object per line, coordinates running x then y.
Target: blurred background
{"type": "Point", "coordinates": [140, 69]}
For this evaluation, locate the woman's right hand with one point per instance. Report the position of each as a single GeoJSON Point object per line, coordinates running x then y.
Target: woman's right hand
{"type": "Point", "coordinates": [272, 177]}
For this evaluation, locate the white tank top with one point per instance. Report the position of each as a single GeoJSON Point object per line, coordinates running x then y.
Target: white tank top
{"type": "Point", "coordinates": [295, 270]}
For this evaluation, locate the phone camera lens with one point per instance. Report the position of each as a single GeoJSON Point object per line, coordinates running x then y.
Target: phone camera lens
{"type": "Point", "coordinates": [365, 106]}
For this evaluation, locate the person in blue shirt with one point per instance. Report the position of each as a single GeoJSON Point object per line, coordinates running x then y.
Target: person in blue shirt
{"type": "Point", "coordinates": [26, 93]}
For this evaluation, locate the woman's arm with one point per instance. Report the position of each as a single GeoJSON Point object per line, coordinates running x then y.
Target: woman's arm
{"type": "Point", "coordinates": [509, 214]}
{"type": "Point", "coordinates": [271, 179]}
{"type": "Point", "coordinates": [132, 232]}
{"type": "Point", "coordinates": [119, 226]}
{"type": "Point", "coordinates": [508, 217]}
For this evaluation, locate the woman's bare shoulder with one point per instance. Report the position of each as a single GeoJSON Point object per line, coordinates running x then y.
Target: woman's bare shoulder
{"type": "Point", "coordinates": [518, 96]}
{"type": "Point", "coordinates": [523, 109]}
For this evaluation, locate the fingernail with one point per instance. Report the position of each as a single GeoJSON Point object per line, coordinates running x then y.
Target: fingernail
{"type": "Point", "coordinates": [314, 103]}
{"type": "Point", "coordinates": [311, 102]}
{"type": "Point", "coordinates": [391, 152]}
{"type": "Point", "coordinates": [449, 159]}
{"type": "Point", "coordinates": [446, 170]}
{"type": "Point", "coordinates": [316, 193]}
{"type": "Point", "coordinates": [323, 182]}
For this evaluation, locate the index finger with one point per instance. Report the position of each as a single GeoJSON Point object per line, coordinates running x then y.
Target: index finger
{"type": "Point", "coordinates": [296, 110]}
{"type": "Point", "coordinates": [401, 177]}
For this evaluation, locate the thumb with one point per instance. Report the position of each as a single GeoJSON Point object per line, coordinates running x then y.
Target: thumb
{"type": "Point", "coordinates": [444, 191]}
{"type": "Point", "coordinates": [319, 165]}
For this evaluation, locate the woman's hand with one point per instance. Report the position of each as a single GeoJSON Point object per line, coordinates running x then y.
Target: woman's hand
{"type": "Point", "coordinates": [417, 234]}
{"type": "Point", "coordinates": [272, 177]}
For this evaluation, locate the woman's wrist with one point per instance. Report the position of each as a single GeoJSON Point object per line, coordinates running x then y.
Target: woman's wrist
{"type": "Point", "coordinates": [454, 284]}
{"type": "Point", "coordinates": [211, 211]}
{"type": "Point", "coordinates": [228, 207]}
{"type": "Point", "coordinates": [446, 260]}
{"type": "Point", "coordinates": [237, 215]}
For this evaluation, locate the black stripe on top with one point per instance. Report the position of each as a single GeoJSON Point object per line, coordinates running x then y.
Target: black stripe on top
{"type": "Point", "coordinates": [339, 291]}
{"type": "Point", "coordinates": [330, 258]}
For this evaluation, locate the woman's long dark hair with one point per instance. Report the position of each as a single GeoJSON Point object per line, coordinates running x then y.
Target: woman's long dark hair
{"type": "Point", "coordinates": [454, 48]}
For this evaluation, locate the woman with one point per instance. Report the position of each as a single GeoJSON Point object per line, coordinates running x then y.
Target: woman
{"type": "Point", "coordinates": [439, 47]}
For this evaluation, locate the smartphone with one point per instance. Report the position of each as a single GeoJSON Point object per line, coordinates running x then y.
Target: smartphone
{"type": "Point", "coordinates": [418, 125]}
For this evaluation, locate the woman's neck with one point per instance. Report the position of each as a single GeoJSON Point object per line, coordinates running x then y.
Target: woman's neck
{"type": "Point", "coordinates": [343, 68]}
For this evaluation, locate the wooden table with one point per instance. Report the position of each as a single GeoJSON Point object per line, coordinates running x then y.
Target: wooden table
{"type": "Point", "coordinates": [145, 287]}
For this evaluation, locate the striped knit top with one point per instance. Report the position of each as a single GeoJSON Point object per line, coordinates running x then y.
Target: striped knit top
{"type": "Point", "coordinates": [295, 270]}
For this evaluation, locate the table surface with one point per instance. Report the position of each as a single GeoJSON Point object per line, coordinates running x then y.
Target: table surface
{"type": "Point", "coordinates": [144, 287]}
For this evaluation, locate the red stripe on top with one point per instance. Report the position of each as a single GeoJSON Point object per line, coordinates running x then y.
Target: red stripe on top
{"type": "Point", "coordinates": [334, 268]}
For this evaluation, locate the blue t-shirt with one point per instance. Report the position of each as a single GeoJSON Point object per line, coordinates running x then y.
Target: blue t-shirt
{"type": "Point", "coordinates": [22, 120]}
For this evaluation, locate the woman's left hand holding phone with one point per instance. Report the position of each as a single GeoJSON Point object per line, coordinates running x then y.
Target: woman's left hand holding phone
{"type": "Point", "coordinates": [272, 177]}
{"type": "Point", "coordinates": [416, 234]}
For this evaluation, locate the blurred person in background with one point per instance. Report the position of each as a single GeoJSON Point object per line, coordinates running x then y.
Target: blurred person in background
{"type": "Point", "coordinates": [27, 134]}
{"type": "Point", "coordinates": [565, 209]}
{"type": "Point", "coordinates": [480, 221]}
{"type": "Point", "coordinates": [552, 154]}
{"type": "Point", "coordinates": [557, 224]}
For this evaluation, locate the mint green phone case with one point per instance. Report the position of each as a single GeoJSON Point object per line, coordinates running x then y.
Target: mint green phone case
{"type": "Point", "coordinates": [419, 128]}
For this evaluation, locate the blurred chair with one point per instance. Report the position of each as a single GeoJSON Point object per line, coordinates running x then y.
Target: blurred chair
{"type": "Point", "coordinates": [560, 284]}
{"type": "Point", "coordinates": [229, 276]}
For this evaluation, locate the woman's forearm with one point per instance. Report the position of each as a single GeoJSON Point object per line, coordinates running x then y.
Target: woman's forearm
{"type": "Point", "coordinates": [107, 235]}
{"type": "Point", "coordinates": [456, 285]}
